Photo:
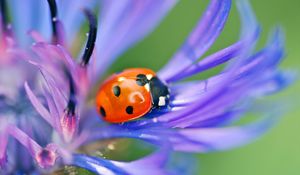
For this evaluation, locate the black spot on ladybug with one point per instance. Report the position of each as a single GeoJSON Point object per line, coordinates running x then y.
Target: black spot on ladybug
{"type": "Point", "coordinates": [129, 110]}
{"type": "Point", "coordinates": [117, 91]}
{"type": "Point", "coordinates": [102, 111]}
{"type": "Point", "coordinates": [141, 79]}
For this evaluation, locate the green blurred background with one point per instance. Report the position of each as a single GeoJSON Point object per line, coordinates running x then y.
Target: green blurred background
{"type": "Point", "coordinates": [277, 152]}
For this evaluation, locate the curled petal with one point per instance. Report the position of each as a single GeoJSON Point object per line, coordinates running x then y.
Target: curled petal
{"type": "Point", "coordinates": [152, 164]}
{"type": "Point", "coordinates": [97, 165]}
{"type": "Point", "coordinates": [274, 83]}
{"type": "Point", "coordinates": [211, 61]}
{"type": "Point", "coordinates": [249, 34]}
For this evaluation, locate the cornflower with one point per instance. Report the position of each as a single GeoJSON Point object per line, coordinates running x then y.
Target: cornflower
{"type": "Point", "coordinates": [46, 114]}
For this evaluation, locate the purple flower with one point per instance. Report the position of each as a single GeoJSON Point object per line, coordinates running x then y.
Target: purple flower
{"type": "Point", "coordinates": [51, 116]}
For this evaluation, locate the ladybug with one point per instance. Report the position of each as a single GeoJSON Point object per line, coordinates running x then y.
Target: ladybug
{"type": "Point", "coordinates": [130, 95]}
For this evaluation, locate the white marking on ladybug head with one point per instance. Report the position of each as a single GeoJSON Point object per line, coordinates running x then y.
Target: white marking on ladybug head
{"type": "Point", "coordinates": [149, 76]}
{"type": "Point", "coordinates": [162, 101]}
{"type": "Point", "coordinates": [147, 86]}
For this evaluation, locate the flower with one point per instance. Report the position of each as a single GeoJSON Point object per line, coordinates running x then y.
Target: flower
{"type": "Point", "coordinates": [57, 118]}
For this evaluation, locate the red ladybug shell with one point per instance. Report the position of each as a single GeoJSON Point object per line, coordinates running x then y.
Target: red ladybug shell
{"type": "Point", "coordinates": [125, 96]}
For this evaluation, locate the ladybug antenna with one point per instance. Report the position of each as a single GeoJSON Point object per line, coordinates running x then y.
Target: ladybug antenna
{"type": "Point", "coordinates": [53, 11]}
{"type": "Point", "coordinates": [92, 35]}
{"type": "Point", "coordinates": [70, 109]}
{"type": "Point", "coordinates": [4, 17]}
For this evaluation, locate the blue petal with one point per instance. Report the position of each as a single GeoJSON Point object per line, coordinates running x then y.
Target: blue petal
{"type": "Point", "coordinates": [152, 164]}
{"type": "Point", "coordinates": [249, 34]}
{"type": "Point", "coordinates": [219, 139]}
{"type": "Point", "coordinates": [183, 163]}
{"type": "Point", "coordinates": [275, 83]}
{"type": "Point", "coordinates": [97, 165]}
{"type": "Point", "coordinates": [249, 74]}
{"type": "Point", "coordinates": [30, 15]}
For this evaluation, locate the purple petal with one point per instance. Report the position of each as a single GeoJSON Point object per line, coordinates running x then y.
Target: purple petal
{"type": "Point", "coordinates": [45, 157]}
{"type": "Point", "coordinates": [249, 33]}
{"type": "Point", "coordinates": [212, 139]}
{"type": "Point", "coordinates": [3, 145]}
{"type": "Point", "coordinates": [219, 119]}
{"type": "Point", "coordinates": [274, 83]}
{"type": "Point", "coordinates": [24, 139]}
{"type": "Point", "coordinates": [52, 107]}
{"type": "Point", "coordinates": [211, 61]}
{"type": "Point", "coordinates": [41, 109]}
{"type": "Point", "coordinates": [240, 86]}
{"type": "Point", "coordinates": [58, 96]}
